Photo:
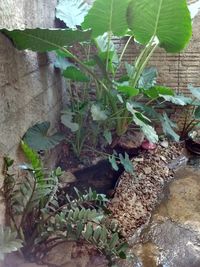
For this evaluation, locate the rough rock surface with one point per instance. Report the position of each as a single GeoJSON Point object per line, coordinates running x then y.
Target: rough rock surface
{"type": "Point", "coordinates": [172, 238]}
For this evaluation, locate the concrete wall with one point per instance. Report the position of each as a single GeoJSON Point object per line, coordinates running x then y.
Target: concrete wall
{"type": "Point", "coordinates": [30, 88]}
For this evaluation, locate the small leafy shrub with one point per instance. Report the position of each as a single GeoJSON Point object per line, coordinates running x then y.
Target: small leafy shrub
{"type": "Point", "coordinates": [39, 222]}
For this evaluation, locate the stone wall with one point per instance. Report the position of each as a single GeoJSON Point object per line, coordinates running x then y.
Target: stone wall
{"type": "Point", "coordinates": [30, 88]}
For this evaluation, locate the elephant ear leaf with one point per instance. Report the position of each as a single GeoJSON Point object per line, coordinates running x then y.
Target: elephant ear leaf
{"type": "Point", "coordinates": [168, 127]}
{"type": "Point", "coordinates": [38, 139]}
{"type": "Point", "coordinates": [107, 16]}
{"type": "Point", "coordinates": [72, 12]}
{"type": "Point", "coordinates": [43, 40]}
{"type": "Point", "coordinates": [168, 20]}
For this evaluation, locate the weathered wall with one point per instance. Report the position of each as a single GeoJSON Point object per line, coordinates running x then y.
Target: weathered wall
{"type": "Point", "coordinates": [30, 88]}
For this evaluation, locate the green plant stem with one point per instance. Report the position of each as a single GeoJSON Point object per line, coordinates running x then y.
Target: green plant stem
{"type": "Point", "coordinates": [101, 153]}
{"type": "Point", "coordinates": [108, 50]}
{"type": "Point", "coordinates": [185, 126]}
{"type": "Point", "coordinates": [191, 125]}
{"type": "Point", "coordinates": [84, 67]}
{"type": "Point", "coordinates": [124, 50]}
{"type": "Point", "coordinates": [150, 101]}
{"type": "Point", "coordinates": [122, 55]}
{"type": "Point", "coordinates": [140, 64]}
{"type": "Point", "coordinates": [142, 61]}
{"type": "Point", "coordinates": [27, 206]}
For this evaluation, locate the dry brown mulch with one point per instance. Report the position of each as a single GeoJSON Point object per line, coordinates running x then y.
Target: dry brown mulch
{"type": "Point", "coordinates": [137, 196]}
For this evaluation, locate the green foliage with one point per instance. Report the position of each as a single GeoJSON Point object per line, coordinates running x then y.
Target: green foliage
{"type": "Point", "coordinates": [115, 159]}
{"type": "Point", "coordinates": [104, 17]}
{"type": "Point", "coordinates": [191, 113]}
{"type": "Point", "coordinates": [148, 78]}
{"type": "Point", "coordinates": [177, 99]}
{"type": "Point", "coordinates": [195, 91]}
{"type": "Point", "coordinates": [43, 40]}
{"type": "Point", "coordinates": [34, 160]}
{"type": "Point", "coordinates": [8, 241]}
{"type": "Point", "coordinates": [37, 218]}
{"type": "Point", "coordinates": [38, 139]}
{"type": "Point", "coordinates": [72, 12]}
{"type": "Point", "coordinates": [75, 119]}
{"type": "Point", "coordinates": [75, 74]}
{"type": "Point", "coordinates": [166, 20]}
{"type": "Point", "coordinates": [168, 127]}
{"type": "Point", "coordinates": [99, 103]}
{"type": "Point", "coordinates": [98, 114]}
{"type": "Point", "coordinates": [159, 91]}
{"type": "Point", "coordinates": [143, 122]}
{"type": "Point", "coordinates": [67, 120]}
{"type": "Point", "coordinates": [197, 113]}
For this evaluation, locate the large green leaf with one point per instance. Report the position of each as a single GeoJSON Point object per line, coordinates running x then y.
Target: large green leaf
{"type": "Point", "coordinates": [168, 127]}
{"type": "Point", "coordinates": [195, 91]}
{"type": "Point", "coordinates": [75, 74]}
{"type": "Point", "coordinates": [62, 63]}
{"type": "Point", "coordinates": [36, 137]}
{"type": "Point", "coordinates": [72, 12]}
{"type": "Point", "coordinates": [128, 90]}
{"type": "Point", "coordinates": [8, 241]}
{"type": "Point", "coordinates": [67, 120]}
{"type": "Point", "coordinates": [98, 114]}
{"type": "Point", "coordinates": [178, 99]}
{"type": "Point", "coordinates": [197, 113]}
{"type": "Point", "coordinates": [107, 16]}
{"type": "Point", "coordinates": [113, 162]}
{"type": "Point", "coordinates": [142, 121]}
{"type": "Point", "coordinates": [148, 78]}
{"type": "Point", "coordinates": [159, 91]}
{"type": "Point", "coordinates": [42, 40]}
{"type": "Point", "coordinates": [106, 49]}
{"type": "Point", "coordinates": [168, 20]}
{"type": "Point", "coordinates": [126, 162]}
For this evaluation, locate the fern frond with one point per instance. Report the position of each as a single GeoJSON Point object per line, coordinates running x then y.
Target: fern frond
{"type": "Point", "coordinates": [8, 241]}
{"type": "Point", "coordinates": [35, 162]}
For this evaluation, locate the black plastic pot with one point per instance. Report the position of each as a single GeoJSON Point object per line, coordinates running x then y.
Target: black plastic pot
{"type": "Point", "coordinates": [192, 143]}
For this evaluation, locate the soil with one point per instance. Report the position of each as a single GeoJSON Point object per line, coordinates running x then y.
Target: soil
{"type": "Point", "coordinates": [129, 143]}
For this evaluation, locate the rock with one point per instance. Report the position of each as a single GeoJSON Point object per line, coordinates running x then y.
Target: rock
{"type": "Point", "coordinates": [67, 178]}
{"type": "Point", "coordinates": [148, 145]}
{"type": "Point", "coordinates": [14, 260]}
{"type": "Point", "coordinates": [97, 160]}
{"type": "Point", "coordinates": [147, 170]}
{"type": "Point", "coordinates": [173, 235]}
{"type": "Point", "coordinates": [178, 162]}
{"type": "Point", "coordinates": [138, 159]}
{"type": "Point", "coordinates": [130, 142]}
{"type": "Point", "coordinates": [163, 159]}
{"type": "Point", "coordinates": [71, 254]}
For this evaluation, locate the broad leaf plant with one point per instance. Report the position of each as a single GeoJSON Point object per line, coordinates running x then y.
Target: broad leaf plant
{"type": "Point", "coordinates": [111, 94]}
